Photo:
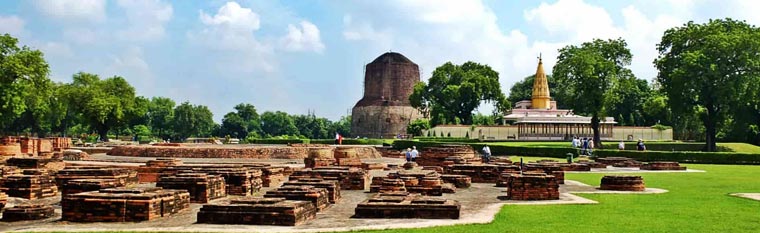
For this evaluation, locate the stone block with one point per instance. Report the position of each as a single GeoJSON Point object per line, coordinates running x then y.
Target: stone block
{"type": "Point", "coordinates": [405, 205]}
{"type": "Point", "coordinates": [258, 211]}
{"type": "Point", "coordinates": [124, 204]}
{"type": "Point", "coordinates": [622, 183]}
{"type": "Point", "coordinates": [201, 186]}
{"type": "Point", "coordinates": [27, 212]}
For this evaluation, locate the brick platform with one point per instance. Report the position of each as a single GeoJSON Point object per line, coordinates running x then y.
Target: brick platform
{"type": "Point", "coordinates": [27, 212]}
{"type": "Point", "coordinates": [405, 205]}
{"type": "Point", "coordinates": [36, 163]}
{"type": "Point", "coordinates": [87, 185]}
{"type": "Point", "coordinates": [320, 157]}
{"type": "Point", "coordinates": [623, 183]}
{"type": "Point", "coordinates": [123, 176]}
{"type": "Point", "coordinates": [332, 186]}
{"type": "Point", "coordinates": [258, 211]}
{"type": "Point", "coordinates": [481, 173]}
{"type": "Point", "coordinates": [578, 167]}
{"type": "Point", "coordinates": [318, 196]}
{"type": "Point", "coordinates": [232, 151]}
{"type": "Point", "coordinates": [548, 168]}
{"type": "Point", "coordinates": [459, 181]}
{"type": "Point", "coordinates": [60, 143]}
{"type": "Point", "coordinates": [673, 166]}
{"type": "Point", "coordinates": [531, 186]}
{"type": "Point", "coordinates": [619, 162]}
{"type": "Point", "coordinates": [239, 180]}
{"type": "Point", "coordinates": [124, 205]}
{"type": "Point", "coordinates": [446, 155]}
{"type": "Point", "coordinates": [31, 184]}
{"type": "Point", "coordinates": [202, 187]}
{"type": "Point", "coordinates": [349, 178]}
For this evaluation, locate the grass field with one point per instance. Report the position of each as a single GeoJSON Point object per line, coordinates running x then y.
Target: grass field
{"type": "Point", "coordinates": [736, 147]}
{"type": "Point", "coordinates": [696, 202]}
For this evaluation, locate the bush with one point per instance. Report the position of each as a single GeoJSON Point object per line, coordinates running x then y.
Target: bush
{"type": "Point", "coordinates": [280, 141]}
{"type": "Point", "coordinates": [684, 156]}
{"type": "Point", "coordinates": [665, 146]}
{"type": "Point", "coordinates": [554, 152]}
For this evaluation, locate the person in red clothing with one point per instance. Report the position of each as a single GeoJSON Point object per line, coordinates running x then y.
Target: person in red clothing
{"type": "Point", "coordinates": [340, 139]}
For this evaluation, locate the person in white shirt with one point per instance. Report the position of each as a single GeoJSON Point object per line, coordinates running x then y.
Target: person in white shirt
{"type": "Point", "coordinates": [621, 145]}
{"type": "Point", "coordinates": [486, 154]}
{"type": "Point", "coordinates": [415, 153]}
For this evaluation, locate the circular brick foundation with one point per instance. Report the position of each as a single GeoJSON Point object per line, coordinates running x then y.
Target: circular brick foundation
{"type": "Point", "coordinates": [623, 183]}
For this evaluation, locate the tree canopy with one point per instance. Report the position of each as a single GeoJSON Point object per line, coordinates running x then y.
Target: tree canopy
{"type": "Point", "coordinates": [589, 73]}
{"type": "Point", "coordinates": [709, 69]}
{"type": "Point", "coordinates": [454, 91]}
{"type": "Point", "coordinates": [25, 87]}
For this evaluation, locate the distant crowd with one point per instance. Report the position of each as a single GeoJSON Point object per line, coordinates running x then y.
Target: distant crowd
{"type": "Point", "coordinates": [586, 145]}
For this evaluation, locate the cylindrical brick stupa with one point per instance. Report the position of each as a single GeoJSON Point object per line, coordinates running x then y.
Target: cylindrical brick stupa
{"type": "Point", "coordinates": [385, 111]}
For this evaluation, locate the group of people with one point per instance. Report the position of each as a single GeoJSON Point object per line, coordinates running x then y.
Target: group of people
{"type": "Point", "coordinates": [585, 144]}
{"type": "Point", "coordinates": [412, 154]}
{"type": "Point", "coordinates": [639, 145]}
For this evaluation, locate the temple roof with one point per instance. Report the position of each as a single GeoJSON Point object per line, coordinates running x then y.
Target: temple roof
{"type": "Point", "coordinates": [540, 83]}
{"type": "Point", "coordinates": [392, 57]}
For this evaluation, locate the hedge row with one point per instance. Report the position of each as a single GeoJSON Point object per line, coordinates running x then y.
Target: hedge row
{"type": "Point", "coordinates": [280, 141]}
{"type": "Point", "coordinates": [645, 156]}
{"type": "Point", "coordinates": [436, 139]}
{"type": "Point", "coordinates": [665, 146]}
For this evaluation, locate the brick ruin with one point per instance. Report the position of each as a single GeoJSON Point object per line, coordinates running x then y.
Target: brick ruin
{"type": "Point", "coordinates": [481, 173]}
{"type": "Point", "coordinates": [124, 204]}
{"type": "Point", "coordinates": [332, 186]}
{"type": "Point", "coordinates": [26, 212]}
{"type": "Point", "coordinates": [201, 186]}
{"type": "Point", "coordinates": [618, 162]}
{"type": "Point", "coordinates": [3, 200]}
{"type": "Point", "coordinates": [87, 185]}
{"type": "Point", "coordinates": [340, 156]}
{"type": "Point", "coordinates": [424, 182]}
{"type": "Point", "coordinates": [232, 151]}
{"type": "Point", "coordinates": [445, 155]}
{"type": "Point", "coordinates": [384, 111]}
{"type": "Point", "coordinates": [672, 166]}
{"type": "Point", "coordinates": [31, 146]}
{"type": "Point", "coordinates": [349, 178]}
{"type": "Point", "coordinates": [317, 196]}
{"type": "Point", "coordinates": [239, 180]}
{"type": "Point", "coordinates": [405, 205]}
{"type": "Point", "coordinates": [30, 184]}
{"type": "Point", "coordinates": [122, 176]}
{"type": "Point", "coordinates": [319, 157]}
{"type": "Point", "coordinates": [548, 168]}
{"type": "Point", "coordinates": [151, 171]}
{"type": "Point", "coordinates": [36, 163]}
{"type": "Point", "coordinates": [531, 186]}
{"type": "Point", "coordinates": [622, 183]}
{"type": "Point", "coordinates": [258, 211]}
{"type": "Point", "coordinates": [459, 181]}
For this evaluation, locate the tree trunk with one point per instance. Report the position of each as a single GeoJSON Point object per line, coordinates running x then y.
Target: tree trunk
{"type": "Point", "coordinates": [710, 129]}
{"type": "Point", "coordinates": [595, 128]}
{"type": "Point", "coordinates": [103, 132]}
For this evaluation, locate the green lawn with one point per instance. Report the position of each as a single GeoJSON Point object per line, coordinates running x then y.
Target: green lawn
{"type": "Point", "coordinates": [697, 202]}
{"type": "Point", "coordinates": [741, 147]}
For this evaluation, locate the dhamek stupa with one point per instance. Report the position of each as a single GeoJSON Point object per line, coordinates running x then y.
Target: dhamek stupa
{"type": "Point", "coordinates": [539, 118]}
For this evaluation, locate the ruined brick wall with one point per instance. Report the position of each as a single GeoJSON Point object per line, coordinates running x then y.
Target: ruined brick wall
{"type": "Point", "coordinates": [385, 109]}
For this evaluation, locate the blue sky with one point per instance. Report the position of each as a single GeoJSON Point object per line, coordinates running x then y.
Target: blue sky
{"type": "Point", "coordinates": [297, 56]}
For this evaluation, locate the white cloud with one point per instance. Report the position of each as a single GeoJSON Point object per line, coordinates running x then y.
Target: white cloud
{"type": "Point", "coordinates": [81, 36]}
{"type": "Point", "coordinates": [12, 25]}
{"type": "Point", "coordinates": [231, 31]}
{"type": "Point", "coordinates": [233, 17]}
{"type": "Point", "coordinates": [146, 19]}
{"type": "Point", "coordinates": [575, 19]}
{"type": "Point", "coordinates": [73, 9]}
{"type": "Point", "coordinates": [131, 65]}
{"type": "Point", "coordinates": [305, 38]}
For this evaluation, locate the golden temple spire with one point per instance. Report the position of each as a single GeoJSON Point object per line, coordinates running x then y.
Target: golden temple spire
{"type": "Point", "coordinates": [541, 98]}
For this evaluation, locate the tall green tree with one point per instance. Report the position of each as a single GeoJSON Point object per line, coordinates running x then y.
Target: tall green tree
{"type": "Point", "coordinates": [627, 100]}
{"type": "Point", "coordinates": [161, 114]}
{"type": "Point", "coordinates": [707, 68]}
{"type": "Point", "coordinates": [103, 104]}
{"type": "Point", "coordinates": [417, 126]}
{"type": "Point", "coordinates": [589, 73]}
{"type": "Point", "coordinates": [454, 91]}
{"type": "Point", "coordinates": [242, 123]}
{"type": "Point", "coordinates": [278, 124]}
{"type": "Point", "coordinates": [192, 120]}
{"type": "Point", "coordinates": [523, 90]}
{"type": "Point", "coordinates": [24, 84]}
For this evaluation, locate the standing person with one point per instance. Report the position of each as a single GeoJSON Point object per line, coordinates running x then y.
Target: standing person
{"type": "Point", "coordinates": [486, 154]}
{"type": "Point", "coordinates": [340, 139]}
{"type": "Point", "coordinates": [590, 146]}
{"type": "Point", "coordinates": [621, 145]}
{"type": "Point", "coordinates": [584, 146]}
{"type": "Point", "coordinates": [414, 153]}
{"type": "Point", "coordinates": [640, 145]}
{"type": "Point", "coordinates": [337, 137]}
{"type": "Point", "coordinates": [572, 143]}
{"type": "Point", "coordinates": [408, 154]}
